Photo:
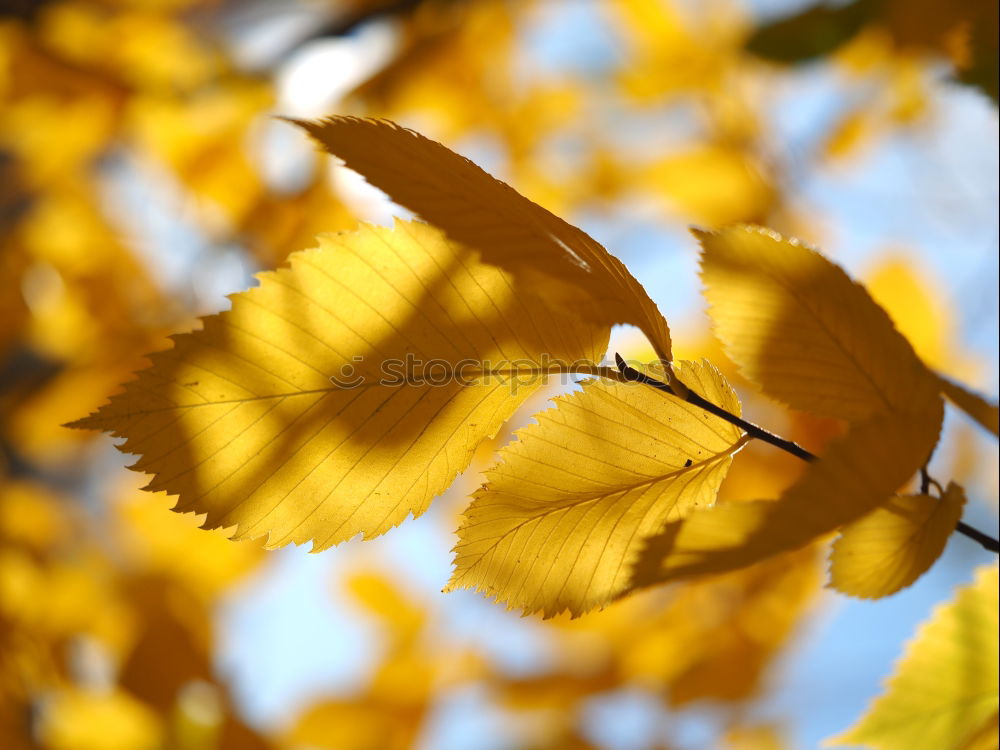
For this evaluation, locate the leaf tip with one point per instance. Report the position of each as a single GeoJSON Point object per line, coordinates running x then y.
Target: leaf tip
{"type": "Point", "coordinates": [83, 423]}
{"type": "Point", "coordinates": [293, 120]}
{"type": "Point", "coordinates": [96, 420]}
{"type": "Point", "coordinates": [700, 233]}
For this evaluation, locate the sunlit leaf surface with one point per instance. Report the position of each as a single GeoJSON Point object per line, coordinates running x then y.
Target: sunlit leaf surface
{"type": "Point", "coordinates": [803, 331]}
{"type": "Point", "coordinates": [893, 545]}
{"type": "Point", "coordinates": [943, 694]}
{"type": "Point", "coordinates": [346, 391]}
{"type": "Point", "coordinates": [565, 512]}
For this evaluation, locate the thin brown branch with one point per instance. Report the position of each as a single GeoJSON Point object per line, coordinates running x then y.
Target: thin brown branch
{"type": "Point", "coordinates": [694, 399]}
{"type": "Point", "coordinates": [631, 374]}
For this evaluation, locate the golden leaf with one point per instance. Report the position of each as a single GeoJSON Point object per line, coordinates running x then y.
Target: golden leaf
{"type": "Point", "coordinates": [895, 544]}
{"type": "Point", "coordinates": [32, 516]}
{"type": "Point", "coordinates": [943, 694]}
{"type": "Point", "coordinates": [344, 392]}
{"type": "Point", "coordinates": [719, 634]}
{"type": "Point", "coordinates": [803, 331]}
{"type": "Point", "coordinates": [854, 477]}
{"type": "Point", "coordinates": [917, 310]}
{"type": "Point", "coordinates": [202, 140]}
{"type": "Point", "coordinates": [160, 544]}
{"type": "Point", "coordinates": [562, 262]}
{"type": "Point", "coordinates": [380, 596]}
{"type": "Point", "coordinates": [75, 719]}
{"type": "Point", "coordinates": [346, 724]}
{"type": "Point", "coordinates": [564, 513]}
{"type": "Point", "coordinates": [926, 323]}
{"type": "Point", "coordinates": [977, 407]}
{"type": "Point", "coordinates": [712, 184]}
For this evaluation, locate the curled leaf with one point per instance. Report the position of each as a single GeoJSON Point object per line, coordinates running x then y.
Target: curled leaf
{"type": "Point", "coordinates": [561, 262]}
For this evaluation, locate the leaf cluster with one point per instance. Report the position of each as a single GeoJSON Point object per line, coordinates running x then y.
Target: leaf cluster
{"type": "Point", "coordinates": [612, 490]}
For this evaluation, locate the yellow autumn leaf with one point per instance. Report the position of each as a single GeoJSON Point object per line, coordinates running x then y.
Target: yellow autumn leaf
{"type": "Point", "coordinates": [202, 140]}
{"type": "Point", "coordinates": [32, 515]}
{"type": "Point", "coordinates": [717, 635]}
{"type": "Point", "coordinates": [157, 543]}
{"type": "Point", "coordinates": [710, 183]}
{"type": "Point", "coordinates": [346, 391]}
{"type": "Point", "coordinates": [563, 263]}
{"type": "Point", "coordinates": [851, 479]}
{"type": "Point", "coordinates": [916, 308]}
{"type": "Point", "coordinates": [75, 719]}
{"type": "Point", "coordinates": [803, 331]}
{"type": "Point", "coordinates": [755, 737]}
{"type": "Point", "coordinates": [854, 131]}
{"type": "Point", "coordinates": [977, 407]}
{"type": "Point", "coordinates": [986, 737]}
{"type": "Point", "coordinates": [563, 515]}
{"type": "Point", "coordinates": [895, 544]}
{"type": "Point", "coordinates": [944, 692]}
{"type": "Point", "coordinates": [926, 323]}
{"type": "Point", "coordinates": [380, 596]}
{"type": "Point", "coordinates": [351, 724]}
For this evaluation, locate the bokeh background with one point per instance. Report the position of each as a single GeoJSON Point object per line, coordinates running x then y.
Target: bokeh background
{"type": "Point", "coordinates": [144, 176]}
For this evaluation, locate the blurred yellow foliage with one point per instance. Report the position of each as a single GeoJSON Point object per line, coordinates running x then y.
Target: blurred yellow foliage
{"type": "Point", "coordinates": [136, 156]}
{"type": "Point", "coordinates": [711, 185]}
{"type": "Point", "coordinates": [75, 719]}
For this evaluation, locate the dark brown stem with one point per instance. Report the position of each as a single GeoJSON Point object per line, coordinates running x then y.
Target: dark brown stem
{"type": "Point", "coordinates": [925, 480]}
{"type": "Point", "coordinates": [630, 373]}
{"type": "Point", "coordinates": [694, 399]}
{"type": "Point", "coordinates": [986, 540]}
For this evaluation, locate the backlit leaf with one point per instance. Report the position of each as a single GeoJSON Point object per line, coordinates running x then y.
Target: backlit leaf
{"type": "Point", "coordinates": [977, 407]}
{"type": "Point", "coordinates": [76, 719]}
{"type": "Point", "coordinates": [721, 632]}
{"type": "Point", "coordinates": [710, 184]}
{"type": "Point", "coordinates": [892, 546]}
{"type": "Point", "coordinates": [943, 694]}
{"type": "Point", "coordinates": [852, 478]}
{"type": "Point", "coordinates": [245, 422]}
{"type": "Point", "coordinates": [563, 515]}
{"type": "Point", "coordinates": [339, 724]}
{"type": "Point", "coordinates": [917, 309]}
{"type": "Point", "coordinates": [803, 331]}
{"type": "Point", "coordinates": [921, 316]}
{"type": "Point", "coordinates": [565, 264]}
{"type": "Point", "coordinates": [173, 547]}
{"type": "Point", "coordinates": [378, 595]}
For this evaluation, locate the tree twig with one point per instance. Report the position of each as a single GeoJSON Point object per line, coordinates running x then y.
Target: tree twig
{"type": "Point", "coordinates": [986, 540]}
{"type": "Point", "coordinates": [631, 374]}
{"type": "Point", "coordinates": [694, 399]}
